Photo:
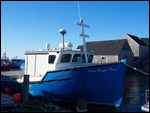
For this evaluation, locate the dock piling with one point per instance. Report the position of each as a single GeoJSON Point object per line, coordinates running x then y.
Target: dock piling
{"type": "Point", "coordinates": [25, 88]}
{"type": "Point", "coordinates": [81, 105]}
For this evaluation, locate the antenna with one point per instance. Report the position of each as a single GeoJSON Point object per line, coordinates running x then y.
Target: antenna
{"type": "Point", "coordinates": [79, 11]}
{"type": "Point", "coordinates": [5, 48]}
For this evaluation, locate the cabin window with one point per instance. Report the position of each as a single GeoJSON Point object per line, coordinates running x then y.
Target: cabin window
{"type": "Point", "coordinates": [51, 59]}
{"type": "Point", "coordinates": [83, 58]}
{"type": "Point", "coordinates": [65, 58]}
{"type": "Point", "coordinates": [77, 58]}
{"type": "Point", "coordinates": [90, 58]}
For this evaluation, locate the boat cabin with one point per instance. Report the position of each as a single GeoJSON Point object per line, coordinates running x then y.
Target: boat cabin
{"type": "Point", "coordinates": [5, 60]}
{"type": "Point", "coordinates": [16, 60]}
{"type": "Point", "coordinates": [43, 60]}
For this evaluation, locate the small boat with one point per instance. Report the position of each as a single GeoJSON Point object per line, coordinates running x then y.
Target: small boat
{"type": "Point", "coordinates": [145, 107]}
{"type": "Point", "coordinates": [16, 62]}
{"type": "Point", "coordinates": [5, 66]}
{"type": "Point", "coordinates": [5, 63]}
{"type": "Point", "coordinates": [64, 74]}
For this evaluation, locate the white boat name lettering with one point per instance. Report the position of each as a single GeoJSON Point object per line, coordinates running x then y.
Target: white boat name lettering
{"type": "Point", "coordinates": [102, 70]}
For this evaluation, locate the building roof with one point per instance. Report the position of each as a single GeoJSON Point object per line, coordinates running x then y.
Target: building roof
{"type": "Point", "coordinates": [111, 47]}
{"type": "Point", "coordinates": [136, 39]}
{"type": "Point", "coordinates": [145, 40]}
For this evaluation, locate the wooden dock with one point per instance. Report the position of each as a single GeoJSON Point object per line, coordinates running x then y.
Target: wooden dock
{"type": "Point", "coordinates": [13, 74]}
{"type": "Point", "coordinates": [8, 105]}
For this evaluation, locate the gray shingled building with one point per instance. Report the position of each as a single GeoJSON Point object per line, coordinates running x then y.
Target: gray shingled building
{"type": "Point", "coordinates": [110, 51]}
{"type": "Point", "coordinates": [139, 48]}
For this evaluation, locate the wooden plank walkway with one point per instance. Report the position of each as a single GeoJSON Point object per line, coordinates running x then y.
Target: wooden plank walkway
{"type": "Point", "coordinates": [13, 74]}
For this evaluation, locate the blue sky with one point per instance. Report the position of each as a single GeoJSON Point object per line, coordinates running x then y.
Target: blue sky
{"type": "Point", "coordinates": [29, 25]}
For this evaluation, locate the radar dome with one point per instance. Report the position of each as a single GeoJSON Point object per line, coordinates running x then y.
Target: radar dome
{"type": "Point", "coordinates": [60, 46]}
{"type": "Point", "coordinates": [68, 45]}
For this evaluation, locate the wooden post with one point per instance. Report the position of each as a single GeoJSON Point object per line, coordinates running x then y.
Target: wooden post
{"type": "Point", "coordinates": [25, 88]}
{"type": "Point", "coordinates": [81, 105]}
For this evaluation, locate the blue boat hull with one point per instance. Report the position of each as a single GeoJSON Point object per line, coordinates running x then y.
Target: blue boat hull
{"type": "Point", "coordinates": [99, 84]}
{"type": "Point", "coordinates": [16, 64]}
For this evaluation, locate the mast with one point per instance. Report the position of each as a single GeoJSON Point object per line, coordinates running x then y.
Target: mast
{"type": "Point", "coordinates": [83, 35]}
{"type": "Point", "coordinates": [4, 55]}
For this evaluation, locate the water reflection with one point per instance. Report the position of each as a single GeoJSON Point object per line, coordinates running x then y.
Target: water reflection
{"type": "Point", "coordinates": [133, 96]}
{"type": "Point", "coordinates": [134, 92]}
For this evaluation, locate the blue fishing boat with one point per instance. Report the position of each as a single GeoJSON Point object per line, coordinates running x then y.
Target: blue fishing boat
{"type": "Point", "coordinates": [16, 62]}
{"type": "Point", "coordinates": [65, 74]}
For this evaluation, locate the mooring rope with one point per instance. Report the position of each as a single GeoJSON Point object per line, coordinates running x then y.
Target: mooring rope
{"type": "Point", "coordinates": [65, 74]}
{"type": "Point", "coordinates": [137, 69]}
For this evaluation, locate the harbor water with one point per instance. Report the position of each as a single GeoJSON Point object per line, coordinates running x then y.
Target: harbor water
{"type": "Point", "coordinates": [133, 96]}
